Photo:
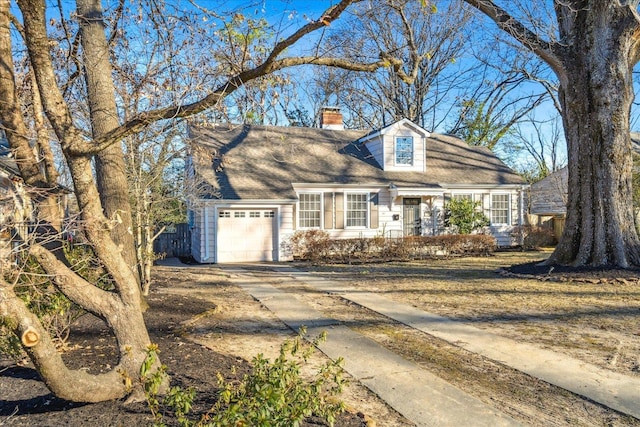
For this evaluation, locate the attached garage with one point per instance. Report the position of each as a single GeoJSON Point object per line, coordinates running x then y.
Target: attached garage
{"type": "Point", "coordinates": [246, 235]}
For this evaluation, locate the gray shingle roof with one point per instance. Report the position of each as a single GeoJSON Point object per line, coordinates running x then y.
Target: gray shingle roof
{"type": "Point", "coordinates": [261, 162]}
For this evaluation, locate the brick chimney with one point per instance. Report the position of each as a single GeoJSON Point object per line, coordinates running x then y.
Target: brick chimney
{"type": "Point", "coordinates": [331, 118]}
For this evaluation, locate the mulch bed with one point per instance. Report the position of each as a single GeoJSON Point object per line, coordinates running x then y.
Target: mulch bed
{"type": "Point", "coordinates": [25, 401]}
{"type": "Point", "coordinates": [563, 273]}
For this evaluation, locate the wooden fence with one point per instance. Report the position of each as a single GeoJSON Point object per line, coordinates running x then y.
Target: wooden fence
{"type": "Point", "coordinates": [176, 243]}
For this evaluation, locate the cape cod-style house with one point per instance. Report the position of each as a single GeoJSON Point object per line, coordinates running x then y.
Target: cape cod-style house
{"type": "Point", "coordinates": [251, 187]}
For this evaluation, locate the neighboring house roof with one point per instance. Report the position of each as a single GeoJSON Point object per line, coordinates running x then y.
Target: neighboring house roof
{"type": "Point", "coordinates": [262, 162]}
{"type": "Point", "coordinates": [549, 195]}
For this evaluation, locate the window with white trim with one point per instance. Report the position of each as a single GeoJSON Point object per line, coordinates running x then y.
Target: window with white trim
{"type": "Point", "coordinates": [404, 150]}
{"type": "Point", "coordinates": [463, 197]}
{"type": "Point", "coordinates": [500, 208]}
{"type": "Point", "coordinates": [309, 210]}
{"type": "Point", "coordinates": [357, 209]}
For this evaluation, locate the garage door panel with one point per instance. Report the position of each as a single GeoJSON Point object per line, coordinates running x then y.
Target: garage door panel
{"type": "Point", "coordinates": [245, 236]}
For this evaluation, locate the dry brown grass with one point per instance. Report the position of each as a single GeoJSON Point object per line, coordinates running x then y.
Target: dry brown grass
{"type": "Point", "coordinates": [595, 322]}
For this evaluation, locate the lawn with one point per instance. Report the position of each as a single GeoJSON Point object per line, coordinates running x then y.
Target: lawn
{"type": "Point", "coordinates": [592, 316]}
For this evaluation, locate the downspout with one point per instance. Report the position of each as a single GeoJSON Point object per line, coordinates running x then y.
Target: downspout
{"type": "Point", "coordinates": [205, 213]}
{"type": "Point", "coordinates": [521, 219]}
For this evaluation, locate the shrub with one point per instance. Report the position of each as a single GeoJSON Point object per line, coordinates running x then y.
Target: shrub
{"type": "Point", "coordinates": [462, 244]}
{"type": "Point", "coordinates": [410, 247]}
{"type": "Point", "coordinates": [463, 214]}
{"type": "Point", "coordinates": [273, 394]}
{"type": "Point", "coordinates": [55, 311]}
{"type": "Point", "coordinates": [534, 237]}
{"type": "Point", "coordinates": [312, 245]}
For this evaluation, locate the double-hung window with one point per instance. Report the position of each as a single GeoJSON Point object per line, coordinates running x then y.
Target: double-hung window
{"type": "Point", "coordinates": [500, 209]}
{"type": "Point", "coordinates": [309, 210]}
{"type": "Point", "coordinates": [357, 209]}
{"type": "Point", "coordinates": [404, 150]}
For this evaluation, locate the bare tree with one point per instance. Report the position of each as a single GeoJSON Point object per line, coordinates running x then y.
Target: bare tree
{"type": "Point", "coordinates": [429, 39]}
{"type": "Point", "coordinates": [592, 47]}
{"type": "Point", "coordinates": [496, 102]}
{"type": "Point", "coordinates": [540, 143]}
{"type": "Point", "coordinates": [120, 307]}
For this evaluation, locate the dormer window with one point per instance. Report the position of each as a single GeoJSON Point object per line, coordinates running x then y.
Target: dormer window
{"type": "Point", "coordinates": [404, 150]}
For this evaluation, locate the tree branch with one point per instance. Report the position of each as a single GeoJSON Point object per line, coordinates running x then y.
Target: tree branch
{"type": "Point", "coordinates": [78, 290]}
{"type": "Point", "coordinates": [44, 355]}
{"type": "Point", "coordinates": [513, 27]}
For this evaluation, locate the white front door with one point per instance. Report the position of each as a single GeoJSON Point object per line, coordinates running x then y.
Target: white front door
{"type": "Point", "coordinates": [246, 235]}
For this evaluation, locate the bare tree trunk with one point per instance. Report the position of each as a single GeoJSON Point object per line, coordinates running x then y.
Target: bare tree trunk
{"type": "Point", "coordinates": [598, 45]}
{"type": "Point", "coordinates": [596, 101]}
{"type": "Point", "coordinates": [110, 166]}
{"type": "Point", "coordinates": [119, 309]}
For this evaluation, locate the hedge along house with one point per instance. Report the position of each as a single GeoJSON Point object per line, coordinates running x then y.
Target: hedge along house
{"type": "Point", "coordinates": [251, 187]}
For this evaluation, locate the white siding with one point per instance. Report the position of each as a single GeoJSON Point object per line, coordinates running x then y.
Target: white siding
{"type": "Point", "coordinates": [208, 234]}
{"type": "Point", "coordinates": [196, 235]}
{"type": "Point", "coordinates": [285, 232]}
{"type": "Point", "coordinates": [376, 149]}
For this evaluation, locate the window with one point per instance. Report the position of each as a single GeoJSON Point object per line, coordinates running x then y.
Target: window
{"type": "Point", "coordinates": [499, 209]}
{"type": "Point", "coordinates": [254, 214]}
{"type": "Point", "coordinates": [357, 209]}
{"type": "Point", "coordinates": [224, 214]}
{"type": "Point", "coordinates": [462, 197]}
{"type": "Point", "coordinates": [309, 210]}
{"type": "Point", "coordinates": [269, 214]}
{"type": "Point", "coordinates": [239, 214]}
{"type": "Point", "coordinates": [404, 150]}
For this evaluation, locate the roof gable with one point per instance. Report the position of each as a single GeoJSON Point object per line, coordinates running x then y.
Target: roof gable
{"type": "Point", "coordinates": [399, 124]}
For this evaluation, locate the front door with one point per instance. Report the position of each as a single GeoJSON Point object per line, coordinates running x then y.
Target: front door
{"type": "Point", "coordinates": [411, 217]}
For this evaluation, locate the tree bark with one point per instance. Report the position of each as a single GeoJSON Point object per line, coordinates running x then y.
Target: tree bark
{"type": "Point", "coordinates": [596, 100]}
{"type": "Point", "coordinates": [111, 175]}
{"type": "Point", "coordinates": [119, 309]}
{"type": "Point", "coordinates": [597, 47]}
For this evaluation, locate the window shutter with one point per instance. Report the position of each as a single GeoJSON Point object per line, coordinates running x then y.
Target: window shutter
{"type": "Point", "coordinates": [328, 211]}
{"type": "Point", "coordinates": [339, 198]}
{"type": "Point", "coordinates": [373, 209]}
{"type": "Point", "coordinates": [293, 216]}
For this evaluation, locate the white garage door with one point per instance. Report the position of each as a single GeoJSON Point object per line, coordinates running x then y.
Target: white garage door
{"type": "Point", "coordinates": [245, 235]}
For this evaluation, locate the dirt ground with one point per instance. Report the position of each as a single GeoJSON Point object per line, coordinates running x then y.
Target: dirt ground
{"type": "Point", "coordinates": [182, 317]}
{"type": "Point", "coordinates": [204, 324]}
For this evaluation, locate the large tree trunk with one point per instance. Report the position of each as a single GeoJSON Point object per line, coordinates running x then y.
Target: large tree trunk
{"type": "Point", "coordinates": [596, 99]}
{"type": "Point", "coordinates": [111, 175]}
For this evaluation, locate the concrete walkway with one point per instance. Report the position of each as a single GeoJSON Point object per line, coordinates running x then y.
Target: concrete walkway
{"type": "Point", "coordinates": [612, 389]}
{"type": "Point", "coordinates": [432, 401]}
{"type": "Point", "coordinates": [418, 395]}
